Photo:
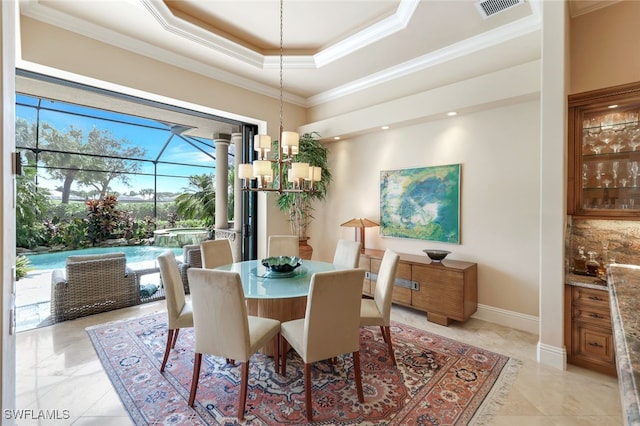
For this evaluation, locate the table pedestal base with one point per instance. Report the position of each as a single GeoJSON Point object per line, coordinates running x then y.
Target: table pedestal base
{"type": "Point", "coordinates": [280, 309]}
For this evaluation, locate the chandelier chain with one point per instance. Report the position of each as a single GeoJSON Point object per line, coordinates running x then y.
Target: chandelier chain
{"type": "Point", "coordinates": [281, 64]}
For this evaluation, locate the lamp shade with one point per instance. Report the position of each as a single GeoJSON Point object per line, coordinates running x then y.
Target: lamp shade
{"type": "Point", "coordinates": [360, 222]}
{"type": "Point", "coordinates": [262, 142]}
{"type": "Point", "coordinates": [261, 168]}
{"type": "Point", "coordinates": [245, 171]}
{"type": "Point", "coordinates": [290, 142]}
{"type": "Point", "coordinates": [315, 173]}
{"type": "Point", "coordinates": [299, 170]}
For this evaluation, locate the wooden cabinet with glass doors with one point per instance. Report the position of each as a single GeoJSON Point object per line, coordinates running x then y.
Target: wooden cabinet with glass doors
{"type": "Point", "coordinates": [604, 153]}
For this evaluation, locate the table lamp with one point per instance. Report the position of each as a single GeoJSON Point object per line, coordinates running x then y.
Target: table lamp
{"type": "Point", "coordinates": [360, 223]}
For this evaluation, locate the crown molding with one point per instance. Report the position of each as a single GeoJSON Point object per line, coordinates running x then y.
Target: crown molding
{"type": "Point", "coordinates": [41, 12]}
{"type": "Point", "coordinates": [494, 37]}
{"type": "Point", "coordinates": [54, 17]}
{"type": "Point", "coordinates": [379, 30]}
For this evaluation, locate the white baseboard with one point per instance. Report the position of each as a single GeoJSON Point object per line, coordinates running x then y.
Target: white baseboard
{"type": "Point", "coordinates": [546, 354]}
{"type": "Point", "coordinates": [528, 323]}
{"type": "Point", "coordinates": [552, 356]}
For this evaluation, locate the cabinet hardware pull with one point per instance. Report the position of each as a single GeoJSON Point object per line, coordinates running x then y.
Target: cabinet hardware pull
{"type": "Point", "coordinates": [596, 344]}
{"type": "Point", "coordinates": [595, 298]}
{"type": "Point", "coordinates": [596, 316]}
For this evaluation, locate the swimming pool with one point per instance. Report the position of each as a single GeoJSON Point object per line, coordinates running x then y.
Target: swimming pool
{"type": "Point", "coordinates": [134, 254]}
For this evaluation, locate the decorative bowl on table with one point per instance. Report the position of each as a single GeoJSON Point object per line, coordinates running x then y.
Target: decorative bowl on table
{"type": "Point", "coordinates": [281, 264]}
{"type": "Point", "coordinates": [436, 255]}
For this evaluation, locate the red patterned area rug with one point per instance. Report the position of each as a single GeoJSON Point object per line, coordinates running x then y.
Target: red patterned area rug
{"type": "Point", "coordinates": [438, 381]}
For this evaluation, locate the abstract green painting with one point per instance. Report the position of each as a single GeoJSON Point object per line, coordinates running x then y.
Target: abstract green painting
{"type": "Point", "coordinates": [421, 203]}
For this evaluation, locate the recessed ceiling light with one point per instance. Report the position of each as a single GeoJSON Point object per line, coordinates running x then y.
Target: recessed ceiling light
{"type": "Point", "coordinates": [452, 113]}
{"type": "Point", "coordinates": [612, 106]}
{"type": "Point", "coordinates": [384, 127]}
{"type": "Point", "coordinates": [336, 138]}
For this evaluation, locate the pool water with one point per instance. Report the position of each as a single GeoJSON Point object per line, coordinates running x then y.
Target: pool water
{"type": "Point", "coordinates": [134, 254]}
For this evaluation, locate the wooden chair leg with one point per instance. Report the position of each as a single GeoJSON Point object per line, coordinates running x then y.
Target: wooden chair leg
{"type": "Point", "coordinates": [243, 389]}
{"type": "Point", "coordinates": [283, 357]}
{"type": "Point", "coordinates": [384, 336]}
{"type": "Point", "coordinates": [387, 334]}
{"type": "Point", "coordinates": [194, 380]}
{"type": "Point", "coordinates": [356, 370]}
{"type": "Point", "coordinates": [276, 353]}
{"type": "Point", "coordinates": [175, 338]}
{"type": "Point", "coordinates": [307, 391]}
{"type": "Point", "coordinates": [167, 350]}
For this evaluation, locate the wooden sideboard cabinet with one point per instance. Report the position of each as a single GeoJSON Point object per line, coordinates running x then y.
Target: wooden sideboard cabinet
{"type": "Point", "coordinates": [446, 291]}
{"type": "Point", "coordinates": [588, 334]}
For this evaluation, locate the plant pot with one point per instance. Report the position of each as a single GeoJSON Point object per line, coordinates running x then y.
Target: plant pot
{"type": "Point", "coordinates": [304, 250]}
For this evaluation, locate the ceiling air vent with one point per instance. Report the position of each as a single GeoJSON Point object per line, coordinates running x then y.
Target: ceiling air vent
{"type": "Point", "coordinates": [489, 8]}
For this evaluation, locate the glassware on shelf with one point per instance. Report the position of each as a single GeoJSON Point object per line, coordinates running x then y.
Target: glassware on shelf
{"type": "Point", "coordinates": [607, 132]}
{"type": "Point", "coordinates": [599, 173]}
{"type": "Point", "coordinates": [615, 169]}
{"type": "Point", "coordinates": [592, 264]}
{"type": "Point", "coordinates": [634, 172]}
{"type": "Point", "coordinates": [632, 131]}
{"type": "Point", "coordinates": [618, 144]}
{"type": "Point", "coordinates": [585, 175]}
{"type": "Point", "coordinates": [580, 261]}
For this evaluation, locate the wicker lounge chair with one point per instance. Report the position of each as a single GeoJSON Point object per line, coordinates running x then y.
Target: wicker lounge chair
{"type": "Point", "coordinates": [191, 259]}
{"type": "Point", "coordinates": [92, 284]}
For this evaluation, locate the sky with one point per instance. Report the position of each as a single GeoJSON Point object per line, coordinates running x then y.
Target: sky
{"type": "Point", "coordinates": [150, 135]}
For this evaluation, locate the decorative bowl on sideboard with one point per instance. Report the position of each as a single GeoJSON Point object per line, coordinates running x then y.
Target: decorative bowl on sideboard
{"type": "Point", "coordinates": [436, 255]}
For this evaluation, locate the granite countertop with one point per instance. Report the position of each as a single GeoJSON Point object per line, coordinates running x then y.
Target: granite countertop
{"type": "Point", "coordinates": [586, 281]}
{"type": "Point", "coordinates": [624, 287]}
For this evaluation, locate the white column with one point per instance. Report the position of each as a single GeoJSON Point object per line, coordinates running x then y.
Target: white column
{"type": "Point", "coordinates": [236, 140]}
{"type": "Point", "coordinates": [222, 178]}
{"type": "Point", "coordinates": [553, 163]}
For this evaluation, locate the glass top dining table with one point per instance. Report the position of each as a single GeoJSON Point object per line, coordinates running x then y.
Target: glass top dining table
{"type": "Point", "coordinates": [260, 283]}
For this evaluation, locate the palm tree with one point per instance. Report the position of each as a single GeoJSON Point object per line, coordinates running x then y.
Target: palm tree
{"type": "Point", "coordinates": [199, 200]}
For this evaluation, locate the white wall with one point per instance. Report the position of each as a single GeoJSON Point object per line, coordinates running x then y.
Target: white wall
{"type": "Point", "coordinates": [499, 153]}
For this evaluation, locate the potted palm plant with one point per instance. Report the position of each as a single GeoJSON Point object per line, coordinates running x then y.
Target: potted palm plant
{"type": "Point", "coordinates": [298, 205]}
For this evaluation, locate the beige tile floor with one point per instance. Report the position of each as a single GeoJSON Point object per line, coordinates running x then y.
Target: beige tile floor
{"type": "Point", "coordinates": [57, 368]}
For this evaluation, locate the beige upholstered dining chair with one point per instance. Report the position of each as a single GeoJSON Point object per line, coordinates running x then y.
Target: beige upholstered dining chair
{"type": "Point", "coordinates": [283, 245]}
{"type": "Point", "coordinates": [377, 311]}
{"type": "Point", "coordinates": [347, 254]}
{"type": "Point", "coordinates": [223, 328]}
{"type": "Point", "coordinates": [215, 253]}
{"type": "Point", "coordinates": [331, 325]}
{"type": "Point", "coordinates": [179, 313]}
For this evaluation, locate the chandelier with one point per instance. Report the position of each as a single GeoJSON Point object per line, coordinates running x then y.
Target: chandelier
{"type": "Point", "coordinates": [301, 177]}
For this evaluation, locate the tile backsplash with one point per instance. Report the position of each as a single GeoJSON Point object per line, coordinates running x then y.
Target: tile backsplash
{"type": "Point", "coordinates": [621, 238]}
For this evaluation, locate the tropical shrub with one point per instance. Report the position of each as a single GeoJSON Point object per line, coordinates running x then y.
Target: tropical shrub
{"type": "Point", "coordinates": [103, 219]}
{"type": "Point", "coordinates": [32, 205]}
{"type": "Point", "coordinates": [23, 266]}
